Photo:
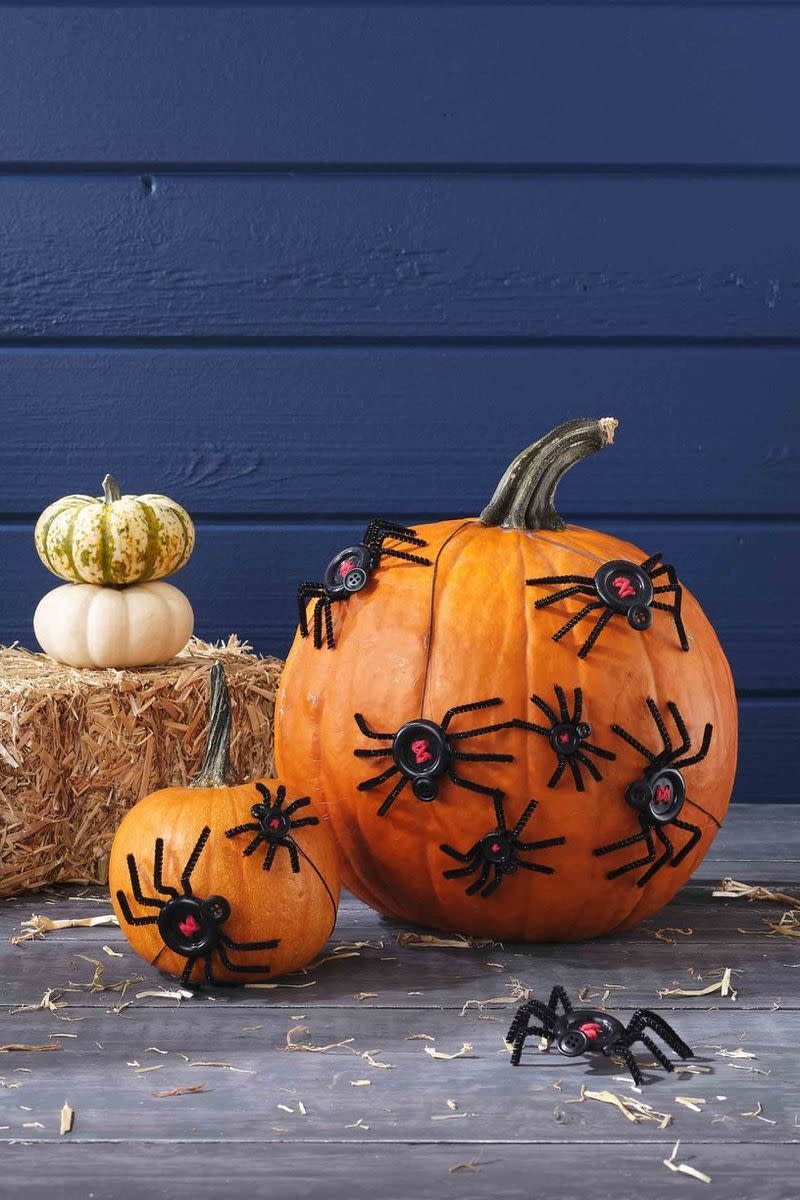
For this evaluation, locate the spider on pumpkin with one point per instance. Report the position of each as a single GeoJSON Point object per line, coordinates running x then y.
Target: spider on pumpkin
{"type": "Point", "coordinates": [422, 752]}
{"type": "Point", "coordinates": [620, 588]}
{"type": "Point", "coordinates": [190, 927]}
{"type": "Point", "coordinates": [498, 851]}
{"type": "Point", "coordinates": [578, 1031]}
{"type": "Point", "coordinates": [659, 796]}
{"type": "Point", "coordinates": [568, 737]}
{"type": "Point", "coordinates": [273, 826]}
{"type": "Point", "coordinates": [349, 571]}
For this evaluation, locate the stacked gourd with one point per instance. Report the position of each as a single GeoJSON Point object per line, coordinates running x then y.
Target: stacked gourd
{"type": "Point", "coordinates": [112, 550]}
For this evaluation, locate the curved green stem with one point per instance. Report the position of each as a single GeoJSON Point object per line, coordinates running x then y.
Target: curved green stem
{"type": "Point", "coordinates": [111, 490]}
{"type": "Point", "coordinates": [525, 496]}
{"type": "Point", "coordinates": [216, 770]}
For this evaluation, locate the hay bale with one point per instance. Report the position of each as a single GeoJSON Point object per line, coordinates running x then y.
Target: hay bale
{"type": "Point", "coordinates": [78, 748]}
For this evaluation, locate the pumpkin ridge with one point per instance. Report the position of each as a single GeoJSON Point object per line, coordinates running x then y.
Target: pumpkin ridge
{"type": "Point", "coordinates": [153, 542]}
{"type": "Point", "coordinates": [43, 536]}
{"type": "Point", "coordinates": [105, 547]}
{"type": "Point", "coordinates": [322, 880]}
{"type": "Point", "coordinates": [68, 535]}
{"type": "Point", "coordinates": [187, 541]}
{"type": "Point", "coordinates": [432, 607]}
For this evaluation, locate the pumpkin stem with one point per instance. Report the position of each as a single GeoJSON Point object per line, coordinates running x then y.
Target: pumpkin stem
{"type": "Point", "coordinates": [111, 490]}
{"type": "Point", "coordinates": [216, 770]}
{"type": "Point", "coordinates": [524, 497]}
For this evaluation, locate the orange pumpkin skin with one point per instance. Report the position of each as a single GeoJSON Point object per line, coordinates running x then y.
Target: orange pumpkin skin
{"type": "Point", "coordinates": [298, 908]}
{"type": "Point", "coordinates": [416, 642]}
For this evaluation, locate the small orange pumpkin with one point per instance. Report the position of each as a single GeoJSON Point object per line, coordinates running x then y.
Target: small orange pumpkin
{"type": "Point", "coordinates": [220, 881]}
{"type": "Point", "coordinates": [520, 728]}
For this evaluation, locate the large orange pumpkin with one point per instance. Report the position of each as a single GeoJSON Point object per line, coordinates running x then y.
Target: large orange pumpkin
{"type": "Point", "coordinates": [520, 728]}
{"type": "Point", "coordinates": [224, 882]}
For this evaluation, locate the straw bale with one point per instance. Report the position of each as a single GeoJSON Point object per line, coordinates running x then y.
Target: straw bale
{"type": "Point", "coordinates": [78, 748]}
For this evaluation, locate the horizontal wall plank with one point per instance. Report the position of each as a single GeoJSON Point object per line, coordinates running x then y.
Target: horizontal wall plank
{"type": "Point", "coordinates": [460, 257]}
{"type": "Point", "coordinates": [242, 579]}
{"type": "Point", "coordinates": [599, 83]}
{"type": "Point", "coordinates": [384, 431]}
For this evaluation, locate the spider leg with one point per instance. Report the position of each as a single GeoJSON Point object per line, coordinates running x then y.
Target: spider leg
{"type": "Point", "coordinates": [556, 841]}
{"type": "Point", "coordinates": [239, 968]}
{"type": "Point", "coordinates": [624, 1052]}
{"type": "Point", "coordinates": [576, 774]}
{"type": "Point", "coordinates": [413, 558]}
{"type": "Point", "coordinates": [304, 821]}
{"type": "Point", "coordinates": [158, 863]}
{"type": "Point", "coordinates": [632, 741]}
{"type": "Point", "coordinates": [559, 996]}
{"type": "Point", "coordinates": [294, 857]}
{"type": "Point", "coordinates": [493, 884]}
{"type": "Point", "coordinates": [701, 753]}
{"type": "Point", "coordinates": [544, 707]}
{"type": "Point", "coordinates": [464, 757]}
{"type": "Point", "coordinates": [393, 794]}
{"type": "Point", "coordinates": [373, 753]}
{"type": "Point", "coordinates": [250, 827]}
{"type": "Point", "coordinates": [590, 767]}
{"type": "Point", "coordinates": [602, 621]}
{"type": "Point", "coordinates": [136, 886]}
{"type": "Point", "coordinates": [318, 624]}
{"type": "Point", "coordinates": [280, 795]}
{"type": "Point", "coordinates": [578, 708]}
{"type": "Point", "coordinates": [303, 802]}
{"type": "Point", "coordinates": [523, 820]}
{"type": "Point", "coordinates": [645, 836]}
{"type": "Point", "coordinates": [469, 857]}
{"type": "Point", "coordinates": [690, 845]}
{"type": "Point", "coordinates": [500, 815]}
{"type": "Point", "coordinates": [253, 846]}
{"type": "Point", "coordinates": [269, 857]}
{"type": "Point", "coordinates": [473, 707]}
{"type": "Point", "coordinates": [378, 530]}
{"type": "Point", "coordinates": [189, 966]}
{"type": "Point", "coordinates": [122, 901]}
{"type": "Point", "coordinates": [559, 771]}
{"type": "Point", "coordinates": [370, 733]}
{"type": "Point", "coordinates": [578, 616]}
{"type": "Point", "coordinates": [266, 794]}
{"type": "Point", "coordinates": [328, 613]}
{"type": "Point", "coordinates": [305, 592]}
{"type": "Point", "coordinates": [268, 944]}
{"type": "Point", "coordinates": [650, 563]}
{"type": "Point", "coordinates": [562, 702]}
{"type": "Point", "coordinates": [659, 862]}
{"type": "Point", "coordinates": [551, 579]}
{"type": "Point", "coordinates": [480, 788]}
{"type": "Point", "coordinates": [683, 732]}
{"type": "Point", "coordinates": [645, 1018]}
{"type": "Point", "coordinates": [191, 862]}
{"type": "Point", "coordinates": [598, 750]}
{"type": "Point", "coordinates": [480, 881]}
{"type": "Point", "coordinates": [526, 866]}
{"type": "Point", "coordinates": [367, 784]}
{"type": "Point", "coordinates": [656, 1051]}
{"type": "Point", "coordinates": [530, 726]}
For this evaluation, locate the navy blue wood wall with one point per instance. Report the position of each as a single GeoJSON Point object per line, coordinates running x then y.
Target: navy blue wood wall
{"type": "Point", "coordinates": [301, 266]}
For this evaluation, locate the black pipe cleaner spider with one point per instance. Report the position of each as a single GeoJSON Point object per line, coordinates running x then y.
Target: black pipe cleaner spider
{"type": "Point", "coordinates": [618, 588]}
{"type": "Point", "coordinates": [273, 826]}
{"type": "Point", "coordinates": [349, 572]}
{"type": "Point", "coordinates": [189, 926]}
{"type": "Point", "coordinates": [498, 851]}
{"type": "Point", "coordinates": [659, 796]}
{"type": "Point", "coordinates": [567, 735]}
{"type": "Point", "coordinates": [422, 752]}
{"type": "Point", "coordinates": [578, 1031]}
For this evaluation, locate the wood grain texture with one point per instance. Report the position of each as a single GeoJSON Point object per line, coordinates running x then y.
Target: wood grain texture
{"type": "Point", "coordinates": [369, 83]}
{"type": "Point", "coordinates": [386, 431]}
{"type": "Point", "coordinates": [461, 257]}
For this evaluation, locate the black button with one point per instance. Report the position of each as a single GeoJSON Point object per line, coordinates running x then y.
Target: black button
{"type": "Point", "coordinates": [421, 752]}
{"type": "Point", "coordinates": [583, 730]}
{"type": "Point", "coordinates": [639, 617]}
{"type": "Point", "coordinates": [348, 572]}
{"type": "Point", "coordinates": [190, 926]}
{"type": "Point", "coordinates": [565, 739]}
{"type": "Point", "coordinates": [496, 847]}
{"type": "Point", "coordinates": [621, 585]}
{"type": "Point", "coordinates": [425, 789]}
{"type": "Point", "coordinates": [668, 792]}
{"type": "Point", "coordinates": [273, 821]}
{"type": "Point", "coordinates": [573, 1043]}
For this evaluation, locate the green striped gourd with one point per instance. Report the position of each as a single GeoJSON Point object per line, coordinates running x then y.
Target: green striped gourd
{"type": "Point", "coordinates": [114, 540]}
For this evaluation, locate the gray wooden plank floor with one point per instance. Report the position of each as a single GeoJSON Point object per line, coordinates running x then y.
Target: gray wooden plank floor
{"type": "Point", "coordinates": [377, 1115]}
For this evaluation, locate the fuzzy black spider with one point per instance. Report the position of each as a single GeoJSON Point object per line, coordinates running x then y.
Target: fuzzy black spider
{"type": "Point", "coordinates": [422, 752]}
{"type": "Point", "coordinates": [567, 735]}
{"type": "Point", "coordinates": [349, 572]}
{"type": "Point", "coordinates": [273, 826]}
{"type": "Point", "coordinates": [498, 850]}
{"type": "Point", "coordinates": [189, 926]}
{"type": "Point", "coordinates": [591, 1031]}
{"type": "Point", "coordinates": [619, 588]}
{"type": "Point", "coordinates": [659, 796]}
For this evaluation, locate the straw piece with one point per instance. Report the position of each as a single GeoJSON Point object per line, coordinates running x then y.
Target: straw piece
{"type": "Point", "coordinates": [67, 1119]}
{"type": "Point", "coordinates": [79, 748]}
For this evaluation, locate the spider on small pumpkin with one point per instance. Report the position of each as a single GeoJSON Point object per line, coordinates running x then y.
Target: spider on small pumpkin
{"type": "Point", "coordinates": [273, 826]}
{"type": "Point", "coordinates": [659, 796]}
{"type": "Point", "coordinates": [191, 927]}
{"type": "Point", "coordinates": [349, 571]}
{"type": "Point", "coordinates": [568, 737]}
{"type": "Point", "coordinates": [423, 752]}
{"type": "Point", "coordinates": [619, 588]}
{"type": "Point", "coordinates": [498, 850]}
{"type": "Point", "coordinates": [578, 1031]}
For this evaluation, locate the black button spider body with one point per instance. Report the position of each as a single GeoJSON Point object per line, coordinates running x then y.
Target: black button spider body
{"type": "Point", "coordinates": [576, 1031]}
{"type": "Point", "coordinates": [619, 588]}
{"type": "Point", "coordinates": [659, 796]}
{"type": "Point", "coordinates": [423, 752]}
{"type": "Point", "coordinates": [568, 735]}
{"type": "Point", "coordinates": [349, 571]}
{"type": "Point", "coordinates": [497, 853]}
{"type": "Point", "coordinates": [190, 926]}
{"type": "Point", "coordinates": [273, 826]}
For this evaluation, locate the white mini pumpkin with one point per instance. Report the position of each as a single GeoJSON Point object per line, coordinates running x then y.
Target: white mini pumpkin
{"type": "Point", "coordinates": [85, 625]}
